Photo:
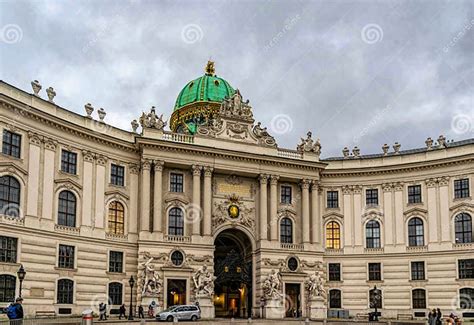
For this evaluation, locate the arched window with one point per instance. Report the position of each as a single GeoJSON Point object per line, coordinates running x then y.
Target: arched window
{"type": "Point", "coordinates": [466, 298]}
{"type": "Point", "coordinates": [415, 232]}
{"type": "Point", "coordinates": [418, 298]}
{"type": "Point", "coordinates": [286, 231]}
{"type": "Point", "coordinates": [7, 288]}
{"type": "Point", "coordinates": [67, 209]}
{"type": "Point", "coordinates": [116, 218]}
{"type": "Point", "coordinates": [65, 291]}
{"type": "Point", "coordinates": [10, 196]}
{"type": "Point", "coordinates": [372, 234]}
{"type": "Point", "coordinates": [176, 222]}
{"type": "Point", "coordinates": [375, 298]}
{"type": "Point", "coordinates": [335, 298]}
{"type": "Point", "coordinates": [333, 235]}
{"type": "Point", "coordinates": [115, 293]}
{"type": "Point", "coordinates": [463, 228]}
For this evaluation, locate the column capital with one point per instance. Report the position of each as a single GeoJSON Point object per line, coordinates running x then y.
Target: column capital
{"type": "Point", "coordinates": [34, 138]}
{"type": "Point", "coordinates": [346, 189]}
{"type": "Point", "coordinates": [387, 187]}
{"type": "Point", "coordinates": [274, 179]}
{"type": "Point", "coordinates": [357, 189]}
{"type": "Point", "coordinates": [208, 171]}
{"type": "Point", "coordinates": [158, 165]}
{"type": "Point", "coordinates": [134, 168]}
{"type": "Point", "coordinates": [196, 170]}
{"type": "Point", "coordinates": [398, 186]}
{"type": "Point", "coordinates": [315, 185]}
{"type": "Point", "coordinates": [50, 144]}
{"type": "Point", "coordinates": [101, 160]}
{"type": "Point", "coordinates": [263, 178]}
{"type": "Point", "coordinates": [88, 155]}
{"type": "Point", "coordinates": [305, 183]}
{"type": "Point", "coordinates": [443, 181]}
{"type": "Point", "coordinates": [146, 164]}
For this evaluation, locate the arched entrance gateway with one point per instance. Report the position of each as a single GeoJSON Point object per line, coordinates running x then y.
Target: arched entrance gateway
{"type": "Point", "coordinates": [233, 272]}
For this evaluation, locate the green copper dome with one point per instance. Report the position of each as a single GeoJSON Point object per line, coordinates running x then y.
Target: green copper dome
{"type": "Point", "coordinates": [199, 101]}
{"type": "Point", "coordinates": [208, 88]}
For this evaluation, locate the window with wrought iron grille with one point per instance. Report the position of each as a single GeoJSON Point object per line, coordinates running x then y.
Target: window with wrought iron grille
{"type": "Point", "coordinates": [416, 235]}
{"type": "Point", "coordinates": [285, 194]}
{"type": "Point", "coordinates": [466, 269]}
{"type": "Point", "coordinates": [8, 249]}
{"type": "Point", "coordinates": [332, 199]}
{"type": "Point", "coordinates": [115, 293]}
{"type": "Point", "coordinates": [65, 292]}
{"type": "Point", "coordinates": [67, 209]}
{"type": "Point", "coordinates": [463, 228]}
{"type": "Point", "coordinates": [286, 231]}
{"type": "Point", "coordinates": [414, 194]}
{"type": "Point", "coordinates": [176, 182]}
{"type": "Point", "coordinates": [9, 196]}
{"type": "Point", "coordinates": [372, 196]}
{"type": "Point", "coordinates": [7, 288]}
{"type": "Point", "coordinates": [66, 257]}
{"type": "Point", "coordinates": [11, 144]}
{"type": "Point", "coordinates": [375, 272]}
{"type": "Point", "coordinates": [69, 162]}
{"type": "Point", "coordinates": [461, 188]}
{"type": "Point", "coordinates": [177, 258]}
{"type": "Point", "coordinates": [418, 299]}
{"type": "Point", "coordinates": [115, 220]}
{"type": "Point", "coordinates": [334, 271]}
{"type": "Point", "coordinates": [115, 262]}
{"type": "Point", "coordinates": [418, 270]}
{"type": "Point", "coordinates": [117, 175]}
{"type": "Point", "coordinates": [176, 222]}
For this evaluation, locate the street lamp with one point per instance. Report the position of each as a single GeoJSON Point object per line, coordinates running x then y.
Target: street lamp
{"type": "Point", "coordinates": [377, 297]}
{"type": "Point", "coordinates": [131, 282]}
{"type": "Point", "coordinates": [21, 276]}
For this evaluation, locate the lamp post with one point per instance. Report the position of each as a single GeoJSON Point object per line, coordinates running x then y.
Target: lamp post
{"type": "Point", "coordinates": [375, 302]}
{"type": "Point", "coordinates": [21, 276]}
{"type": "Point", "coordinates": [131, 282]}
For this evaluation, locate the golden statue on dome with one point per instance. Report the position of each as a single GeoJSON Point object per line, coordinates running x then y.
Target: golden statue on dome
{"type": "Point", "coordinates": [210, 69]}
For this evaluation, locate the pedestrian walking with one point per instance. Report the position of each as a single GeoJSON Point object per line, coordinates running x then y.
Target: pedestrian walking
{"type": "Point", "coordinates": [103, 311]}
{"type": "Point", "coordinates": [140, 312]}
{"type": "Point", "coordinates": [438, 317]}
{"type": "Point", "coordinates": [15, 312]}
{"type": "Point", "coordinates": [122, 311]}
{"type": "Point", "coordinates": [432, 317]}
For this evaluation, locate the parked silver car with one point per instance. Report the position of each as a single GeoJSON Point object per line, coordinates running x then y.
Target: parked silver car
{"type": "Point", "coordinates": [180, 312]}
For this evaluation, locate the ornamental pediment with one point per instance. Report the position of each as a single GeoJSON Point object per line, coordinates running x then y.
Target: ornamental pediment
{"type": "Point", "coordinates": [415, 210]}
{"type": "Point", "coordinates": [333, 215]}
{"type": "Point", "coordinates": [462, 206]}
{"type": "Point", "coordinates": [68, 184]}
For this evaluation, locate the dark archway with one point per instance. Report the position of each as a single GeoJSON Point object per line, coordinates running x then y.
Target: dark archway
{"type": "Point", "coordinates": [233, 271]}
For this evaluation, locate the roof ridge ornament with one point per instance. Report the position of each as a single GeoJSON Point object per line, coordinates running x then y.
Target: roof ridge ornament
{"type": "Point", "coordinates": [210, 69]}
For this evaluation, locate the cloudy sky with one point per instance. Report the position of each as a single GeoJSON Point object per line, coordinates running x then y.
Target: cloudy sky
{"type": "Point", "coordinates": [355, 73]}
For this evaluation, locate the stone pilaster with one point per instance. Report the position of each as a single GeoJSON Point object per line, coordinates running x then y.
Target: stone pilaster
{"type": "Point", "coordinates": [305, 230]}
{"type": "Point", "coordinates": [145, 196]}
{"type": "Point", "coordinates": [196, 209]}
{"type": "Point", "coordinates": [157, 196]}
{"type": "Point", "coordinates": [100, 179]}
{"type": "Point", "coordinates": [263, 207]}
{"type": "Point", "coordinates": [87, 186]}
{"type": "Point", "coordinates": [207, 204]}
{"type": "Point", "coordinates": [134, 190]}
{"type": "Point", "coordinates": [48, 178]}
{"type": "Point", "coordinates": [274, 207]}
{"type": "Point", "coordinates": [315, 218]}
{"type": "Point", "coordinates": [33, 173]}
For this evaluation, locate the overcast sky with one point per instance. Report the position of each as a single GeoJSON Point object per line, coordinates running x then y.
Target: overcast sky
{"type": "Point", "coordinates": [355, 73]}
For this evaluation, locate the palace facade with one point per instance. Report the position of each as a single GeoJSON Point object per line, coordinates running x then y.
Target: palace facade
{"type": "Point", "coordinates": [214, 211]}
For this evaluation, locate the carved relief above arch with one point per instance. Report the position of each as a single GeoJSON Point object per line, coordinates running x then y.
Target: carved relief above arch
{"type": "Point", "coordinates": [462, 207]}
{"type": "Point", "coordinates": [415, 212]}
{"type": "Point", "coordinates": [12, 169]}
{"type": "Point", "coordinates": [69, 185]}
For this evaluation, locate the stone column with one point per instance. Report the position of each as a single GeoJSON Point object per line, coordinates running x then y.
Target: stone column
{"type": "Point", "coordinates": [399, 222]}
{"type": "Point", "coordinates": [145, 196]}
{"type": "Point", "coordinates": [274, 207]}
{"type": "Point", "coordinates": [48, 178]}
{"type": "Point", "coordinates": [33, 174]}
{"type": "Point", "coordinates": [305, 210]}
{"type": "Point", "coordinates": [134, 190]}
{"type": "Point", "coordinates": [100, 179]}
{"type": "Point", "coordinates": [263, 207]}
{"type": "Point", "coordinates": [443, 218]}
{"type": "Point", "coordinates": [157, 196]}
{"type": "Point", "coordinates": [431, 230]}
{"type": "Point", "coordinates": [207, 201]}
{"type": "Point", "coordinates": [348, 217]}
{"type": "Point", "coordinates": [87, 188]}
{"type": "Point", "coordinates": [389, 222]}
{"type": "Point", "coordinates": [194, 214]}
{"type": "Point", "coordinates": [315, 220]}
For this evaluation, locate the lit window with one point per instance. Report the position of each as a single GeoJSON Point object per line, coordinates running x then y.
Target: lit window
{"type": "Point", "coordinates": [333, 235]}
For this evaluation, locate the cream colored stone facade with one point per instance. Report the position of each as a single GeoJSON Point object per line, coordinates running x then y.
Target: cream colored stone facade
{"type": "Point", "coordinates": [218, 170]}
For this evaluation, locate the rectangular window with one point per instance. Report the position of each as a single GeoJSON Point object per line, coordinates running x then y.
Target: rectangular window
{"type": "Point", "coordinates": [66, 257]}
{"type": "Point", "coordinates": [8, 248]}
{"type": "Point", "coordinates": [414, 194]}
{"type": "Point", "coordinates": [68, 162]}
{"type": "Point", "coordinates": [116, 262]}
{"type": "Point", "coordinates": [375, 272]}
{"type": "Point", "coordinates": [176, 183]}
{"type": "Point", "coordinates": [461, 188]}
{"type": "Point", "coordinates": [11, 144]}
{"type": "Point", "coordinates": [334, 272]}
{"type": "Point", "coordinates": [466, 269]}
{"type": "Point", "coordinates": [117, 175]}
{"type": "Point", "coordinates": [419, 299]}
{"type": "Point", "coordinates": [418, 270]}
{"type": "Point", "coordinates": [372, 196]}
{"type": "Point", "coordinates": [285, 194]}
{"type": "Point", "coordinates": [332, 199]}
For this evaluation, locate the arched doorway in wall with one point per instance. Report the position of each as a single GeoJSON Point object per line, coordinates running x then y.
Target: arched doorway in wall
{"type": "Point", "coordinates": [233, 271]}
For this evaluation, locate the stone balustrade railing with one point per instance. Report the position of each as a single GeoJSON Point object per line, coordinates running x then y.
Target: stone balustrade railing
{"type": "Point", "coordinates": [289, 246]}
{"type": "Point", "coordinates": [178, 239]}
{"type": "Point", "coordinates": [177, 137]}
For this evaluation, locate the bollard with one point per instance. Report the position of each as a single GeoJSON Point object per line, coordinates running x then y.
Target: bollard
{"type": "Point", "coordinates": [175, 319]}
{"type": "Point", "coordinates": [306, 321]}
{"type": "Point", "coordinates": [87, 317]}
{"type": "Point", "coordinates": [249, 320]}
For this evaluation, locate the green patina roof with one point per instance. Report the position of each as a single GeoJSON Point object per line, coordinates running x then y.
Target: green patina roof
{"type": "Point", "coordinates": [207, 88]}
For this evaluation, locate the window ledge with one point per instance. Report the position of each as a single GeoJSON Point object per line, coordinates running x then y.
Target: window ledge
{"type": "Point", "coordinates": [68, 174]}
{"type": "Point", "coordinates": [67, 229]}
{"type": "Point", "coordinates": [57, 268]}
{"type": "Point", "coordinates": [375, 281]}
{"type": "Point", "coordinates": [121, 274]}
{"type": "Point", "coordinates": [334, 282]}
{"type": "Point", "coordinates": [11, 157]}
{"type": "Point", "coordinates": [467, 198]}
{"type": "Point", "coordinates": [418, 281]}
{"type": "Point", "coordinates": [415, 204]}
{"type": "Point", "coordinates": [117, 186]}
{"type": "Point", "coordinates": [119, 237]}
